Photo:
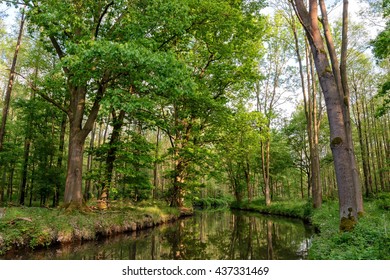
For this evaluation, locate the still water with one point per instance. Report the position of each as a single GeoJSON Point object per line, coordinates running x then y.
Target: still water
{"type": "Point", "coordinates": [215, 235]}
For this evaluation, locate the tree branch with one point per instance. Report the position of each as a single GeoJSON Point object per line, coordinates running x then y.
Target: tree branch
{"type": "Point", "coordinates": [44, 96]}
{"type": "Point", "coordinates": [59, 51]}
{"type": "Point", "coordinates": [101, 18]}
{"type": "Point", "coordinates": [56, 46]}
{"type": "Point", "coordinates": [52, 101]}
{"type": "Point", "coordinates": [96, 105]}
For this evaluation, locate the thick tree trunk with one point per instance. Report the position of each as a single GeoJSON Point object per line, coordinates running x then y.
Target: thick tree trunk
{"type": "Point", "coordinates": [73, 185]}
{"type": "Point", "coordinates": [78, 133]}
{"type": "Point", "coordinates": [177, 198]}
{"type": "Point", "coordinates": [341, 78]}
{"type": "Point", "coordinates": [348, 209]}
{"type": "Point", "coordinates": [346, 108]}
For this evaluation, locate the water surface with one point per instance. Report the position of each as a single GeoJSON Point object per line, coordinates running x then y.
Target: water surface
{"type": "Point", "coordinates": [215, 235]}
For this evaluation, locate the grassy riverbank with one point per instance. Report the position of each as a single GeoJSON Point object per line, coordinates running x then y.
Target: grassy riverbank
{"type": "Point", "coordinates": [369, 240]}
{"type": "Point", "coordinates": [37, 227]}
{"type": "Point", "coordinates": [294, 209]}
{"type": "Point", "coordinates": [211, 202]}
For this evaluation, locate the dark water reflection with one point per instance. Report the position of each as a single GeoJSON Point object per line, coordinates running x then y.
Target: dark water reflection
{"type": "Point", "coordinates": [218, 235]}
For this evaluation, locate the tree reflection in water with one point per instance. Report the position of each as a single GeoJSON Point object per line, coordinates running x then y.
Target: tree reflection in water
{"type": "Point", "coordinates": [215, 235]}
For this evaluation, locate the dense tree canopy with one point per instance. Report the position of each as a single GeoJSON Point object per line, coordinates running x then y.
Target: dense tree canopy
{"type": "Point", "coordinates": [186, 100]}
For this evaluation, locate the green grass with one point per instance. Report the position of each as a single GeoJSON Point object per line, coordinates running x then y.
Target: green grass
{"type": "Point", "coordinates": [36, 227]}
{"type": "Point", "coordinates": [370, 240]}
{"type": "Point", "coordinates": [210, 202]}
{"type": "Point", "coordinates": [295, 209]}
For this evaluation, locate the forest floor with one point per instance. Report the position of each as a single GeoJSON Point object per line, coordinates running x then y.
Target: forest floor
{"type": "Point", "coordinates": [370, 240]}
{"type": "Point", "coordinates": [34, 227]}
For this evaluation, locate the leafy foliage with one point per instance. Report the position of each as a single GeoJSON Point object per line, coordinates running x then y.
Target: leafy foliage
{"type": "Point", "coordinates": [369, 240]}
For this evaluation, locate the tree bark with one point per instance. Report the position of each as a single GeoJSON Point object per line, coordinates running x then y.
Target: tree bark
{"type": "Point", "coordinates": [177, 199]}
{"type": "Point", "coordinates": [2, 186]}
{"type": "Point", "coordinates": [340, 74]}
{"type": "Point", "coordinates": [363, 148]}
{"type": "Point", "coordinates": [87, 191]}
{"type": "Point", "coordinates": [311, 118]}
{"type": "Point", "coordinates": [11, 83]}
{"type": "Point", "coordinates": [315, 156]}
{"type": "Point", "coordinates": [117, 123]}
{"type": "Point", "coordinates": [265, 147]}
{"type": "Point", "coordinates": [73, 185]}
{"type": "Point", "coordinates": [338, 137]}
{"type": "Point", "coordinates": [26, 154]}
{"type": "Point", "coordinates": [346, 106]}
{"type": "Point", "coordinates": [155, 165]}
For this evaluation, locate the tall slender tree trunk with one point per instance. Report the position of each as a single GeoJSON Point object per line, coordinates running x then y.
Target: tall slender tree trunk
{"type": "Point", "coordinates": [310, 114]}
{"type": "Point", "coordinates": [10, 189]}
{"type": "Point", "coordinates": [346, 108]}
{"type": "Point", "coordinates": [2, 186]}
{"type": "Point", "coordinates": [88, 191]}
{"type": "Point", "coordinates": [265, 151]}
{"type": "Point", "coordinates": [348, 208]}
{"type": "Point", "coordinates": [248, 181]}
{"type": "Point", "coordinates": [11, 82]}
{"type": "Point", "coordinates": [26, 153]}
{"type": "Point", "coordinates": [315, 155]}
{"type": "Point", "coordinates": [23, 183]}
{"type": "Point", "coordinates": [117, 123]}
{"type": "Point", "coordinates": [60, 157]}
{"type": "Point", "coordinates": [155, 165]}
{"type": "Point", "coordinates": [367, 144]}
{"type": "Point", "coordinates": [379, 149]}
{"type": "Point", "coordinates": [363, 147]}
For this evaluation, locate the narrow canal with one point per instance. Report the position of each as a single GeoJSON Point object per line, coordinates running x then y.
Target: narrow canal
{"type": "Point", "coordinates": [214, 235]}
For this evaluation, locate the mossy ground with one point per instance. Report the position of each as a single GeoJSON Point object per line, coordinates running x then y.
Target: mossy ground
{"type": "Point", "coordinates": [37, 227]}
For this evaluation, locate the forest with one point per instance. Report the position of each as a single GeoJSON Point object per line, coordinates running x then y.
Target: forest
{"type": "Point", "coordinates": [121, 115]}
